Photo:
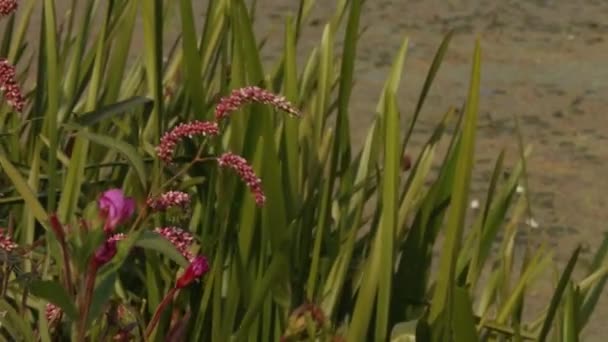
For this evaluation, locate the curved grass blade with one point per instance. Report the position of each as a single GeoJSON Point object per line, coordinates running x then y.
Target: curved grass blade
{"type": "Point", "coordinates": [558, 294]}
{"type": "Point", "coordinates": [128, 150]}
{"type": "Point", "coordinates": [106, 112]}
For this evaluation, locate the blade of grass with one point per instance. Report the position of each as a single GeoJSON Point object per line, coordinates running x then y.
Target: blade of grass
{"type": "Point", "coordinates": [443, 297]}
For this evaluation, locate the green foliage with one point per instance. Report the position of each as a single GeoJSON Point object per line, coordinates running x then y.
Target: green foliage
{"type": "Point", "coordinates": [343, 246]}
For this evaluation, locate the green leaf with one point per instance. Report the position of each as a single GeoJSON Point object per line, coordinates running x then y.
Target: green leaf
{"type": "Point", "coordinates": [443, 297]}
{"type": "Point", "coordinates": [106, 112]}
{"type": "Point", "coordinates": [103, 290]}
{"type": "Point", "coordinates": [14, 324]}
{"type": "Point", "coordinates": [464, 321]}
{"type": "Point", "coordinates": [53, 292]}
{"type": "Point", "coordinates": [128, 150]}
{"type": "Point", "coordinates": [155, 241]}
{"type": "Point", "coordinates": [29, 197]}
{"type": "Point", "coordinates": [558, 294]}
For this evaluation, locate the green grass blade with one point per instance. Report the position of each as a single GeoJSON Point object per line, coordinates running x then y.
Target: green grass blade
{"type": "Point", "coordinates": [558, 294]}
{"type": "Point", "coordinates": [29, 197]}
{"type": "Point", "coordinates": [443, 298]}
{"type": "Point", "coordinates": [124, 148]}
{"type": "Point", "coordinates": [52, 92]}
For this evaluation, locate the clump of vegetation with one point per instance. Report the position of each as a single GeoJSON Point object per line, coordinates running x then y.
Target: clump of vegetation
{"type": "Point", "coordinates": [183, 199]}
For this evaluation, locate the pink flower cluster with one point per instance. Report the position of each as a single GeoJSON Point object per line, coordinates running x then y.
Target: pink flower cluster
{"type": "Point", "coordinates": [6, 243]}
{"type": "Point", "coordinates": [252, 94]}
{"type": "Point", "coordinates": [53, 313]}
{"type": "Point", "coordinates": [8, 6]}
{"type": "Point", "coordinates": [168, 200]}
{"type": "Point", "coordinates": [8, 85]}
{"type": "Point", "coordinates": [246, 173]}
{"type": "Point", "coordinates": [181, 239]}
{"type": "Point", "coordinates": [169, 140]}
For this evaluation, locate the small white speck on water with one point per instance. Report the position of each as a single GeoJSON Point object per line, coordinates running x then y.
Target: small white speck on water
{"type": "Point", "coordinates": [475, 204]}
{"type": "Point", "coordinates": [532, 223]}
{"type": "Point", "coordinates": [520, 189]}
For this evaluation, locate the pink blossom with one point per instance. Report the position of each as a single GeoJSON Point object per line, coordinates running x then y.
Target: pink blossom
{"type": "Point", "coordinates": [252, 94]}
{"type": "Point", "coordinates": [167, 200]}
{"type": "Point", "coordinates": [53, 313]}
{"type": "Point", "coordinates": [197, 268]}
{"type": "Point", "coordinates": [107, 250]}
{"type": "Point", "coordinates": [8, 84]}
{"type": "Point", "coordinates": [8, 6]}
{"type": "Point", "coordinates": [181, 239]}
{"type": "Point", "coordinates": [115, 208]}
{"type": "Point", "coordinates": [6, 242]}
{"type": "Point", "coordinates": [168, 142]}
{"type": "Point", "coordinates": [246, 173]}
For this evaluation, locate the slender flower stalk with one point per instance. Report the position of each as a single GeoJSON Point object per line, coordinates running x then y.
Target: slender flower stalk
{"type": "Point", "coordinates": [159, 310]}
{"type": "Point", "coordinates": [8, 83]}
{"type": "Point", "coordinates": [168, 200]}
{"type": "Point", "coordinates": [246, 173]}
{"type": "Point", "coordinates": [102, 256]}
{"type": "Point", "coordinates": [240, 97]}
{"type": "Point", "coordinates": [170, 140]}
{"type": "Point", "coordinates": [198, 267]}
{"type": "Point", "coordinates": [60, 233]}
{"type": "Point", "coordinates": [7, 7]}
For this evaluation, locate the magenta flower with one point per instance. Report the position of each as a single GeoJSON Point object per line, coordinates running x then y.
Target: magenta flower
{"type": "Point", "coordinates": [7, 7]}
{"type": "Point", "coordinates": [246, 173]}
{"type": "Point", "coordinates": [242, 96]}
{"type": "Point", "coordinates": [167, 200]}
{"type": "Point", "coordinates": [197, 268]}
{"type": "Point", "coordinates": [8, 83]}
{"type": "Point", "coordinates": [6, 242]}
{"type": "Point", "coordinates": [168, 142]}
{"type": "Point", "coordinates": [107, 251]}
{"type": "Point", "coordinates": [115, 208]}
{"type": "Point", "coordinates": [181, 239]}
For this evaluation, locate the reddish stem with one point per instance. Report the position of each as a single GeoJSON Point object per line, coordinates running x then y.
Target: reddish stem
{"type": "Point", "coordinates": [159, 310]}
{"type": "Point", "coordinates": [86, 303]}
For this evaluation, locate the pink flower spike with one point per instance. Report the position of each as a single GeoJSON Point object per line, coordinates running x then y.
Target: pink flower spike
{"type": "Point", "coordinates": [115, 208]}
{"type": "Point", "coordinates": [7, 7]}
{"type": "Point", "coordinates": [252, 94]}
{"type": "Point", "coordinates": [169, 141]}
{"type": "Point", "coordinates": [197, 268]}
{"type": "Point", "coordinates": [167, 200]}
{"type": "Point", "coordinates": [6, 242]}
{"type": "Point", "coordinates": [53, 313]}
{"type": "Point", "coordinates": [246, 173]}
{"type": "Point", "coordinates": [181, 239]}
{"type": "Point", "coordinates": [8, 83]}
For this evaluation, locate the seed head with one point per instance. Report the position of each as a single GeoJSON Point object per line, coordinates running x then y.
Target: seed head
{"type": "Point", "coordinates": [169, 140]}
{"type": "Point", "coordinates": [7, 7]}
{"type": "Point", "coordinates": [6, 242]}
{"type": "Point", "coordinates": [240, 97]}
{"type": "Point", "coordinates": [53, 313]}
{"type": "Point", "coordinates": [8, 83]}
{"type": "Point", "coordinates": [181, 239]}
{"type": "Point", "coordinates": [167, 200]}
{"type": "Point", "coordinates": [246, 173]}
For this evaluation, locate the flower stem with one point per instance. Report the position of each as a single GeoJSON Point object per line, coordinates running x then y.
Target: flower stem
{"type": "Point", "coordinates": [86, 303]}
{"type": "Point", "coordinates": [159, 310]}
